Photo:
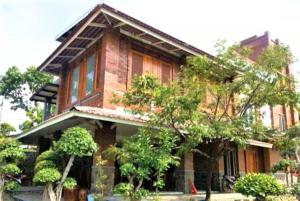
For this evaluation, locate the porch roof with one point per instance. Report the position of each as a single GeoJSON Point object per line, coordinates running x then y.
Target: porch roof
{"type": "Point", "coordinates": [48, 91]}
{"type": "Point", "coordinates": [84, 113]}
{"type": "Point", "coordinates": [79, 114]}
{"type": "Point", "coordinates": [90, 29]}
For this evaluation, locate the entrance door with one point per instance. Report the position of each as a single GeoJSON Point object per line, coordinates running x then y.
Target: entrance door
{"type": "Point", "coordinates": [251, 161]}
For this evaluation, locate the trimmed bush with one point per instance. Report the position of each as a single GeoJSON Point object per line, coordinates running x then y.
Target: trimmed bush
{"type": "Point", "coordinates": [47, 175]}
{"type": "Point", "coordinates": [70, 183]}
{"type": "Point", "coordinates": [259, 185]}
{"type": "Point", "coordinates": [44, 164]}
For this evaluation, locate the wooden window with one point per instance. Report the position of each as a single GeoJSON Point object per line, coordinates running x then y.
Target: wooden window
{"type": "Point", "coordinates": [137, 64]}
{"type": "Point", "coordinates": [166, 73]}
{"type": "Point", "coordinates": [91, 61]}
{"type": "Point", "coordinates": [282, 122]}
{"type": "Point", "coordinates": [231, 163]}
{"type": "Point", "coordinates": [75, 84]}
{"type": "Point", "coordinates": [147, 65]}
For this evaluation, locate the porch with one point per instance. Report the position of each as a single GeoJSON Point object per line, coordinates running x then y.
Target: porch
{"type": "Point", "coordinates": [110, 127]}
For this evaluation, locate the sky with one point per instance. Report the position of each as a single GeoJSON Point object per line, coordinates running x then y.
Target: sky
{"type": "Point", "coordinates": [28, 28]}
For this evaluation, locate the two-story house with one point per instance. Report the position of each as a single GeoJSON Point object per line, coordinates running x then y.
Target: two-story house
{"type": "Point", "coordinates": [97, 58]}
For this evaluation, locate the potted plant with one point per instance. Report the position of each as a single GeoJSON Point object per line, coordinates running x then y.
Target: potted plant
{"type": "Point", "coordinates": [70, 189]}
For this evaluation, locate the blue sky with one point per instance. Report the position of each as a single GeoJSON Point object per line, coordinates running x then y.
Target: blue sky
{"type": "Point", "coordinates": [29, 28]}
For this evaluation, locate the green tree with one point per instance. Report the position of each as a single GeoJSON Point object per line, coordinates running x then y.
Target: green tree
{"type": "Point", "coordinates": [35, 117]}
{"type": "Point", "coordinates": [6, 129]}
{"type": "Point", "coordinates": [11, 154]}
{"type": "Point", "coordinates": [215, 101]}
{"type": "Point", "coordinates": [142, 156]}
{"type": "Point", "coordinates": [18, 86]}
{"type": "Point", "coordinates": [75, 142]}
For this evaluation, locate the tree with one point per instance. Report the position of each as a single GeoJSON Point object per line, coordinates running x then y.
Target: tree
{"type": "Point", "coordinates": [142, 156]}
{"type": "Point", "coordinates": [11, 154]}
{"type": "Point", "coordinates": [289, 146]}
{"type": "Point", "coordinates": [49, 169]}
{"type": "Point", "coordinates": [6, 129]}
{"type": "Point", "coordinates": [215, 101]}
{"type": "Point", "coordinates": [18, 86]}
{"type": "Point", "coordinates": [35, 117]}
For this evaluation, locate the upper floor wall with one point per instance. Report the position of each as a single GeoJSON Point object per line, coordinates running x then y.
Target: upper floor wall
{"type": "Point", "coordinates": [108, 67]}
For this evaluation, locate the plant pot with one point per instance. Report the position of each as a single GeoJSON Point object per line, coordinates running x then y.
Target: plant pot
{"type": "Point", "coordinates": [82, 195]}
{"type": "Point", "coordinates": [71, 194]}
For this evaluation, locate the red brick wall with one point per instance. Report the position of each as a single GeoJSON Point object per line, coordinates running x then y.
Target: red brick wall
{"type": "Point", "coordinates": [113, 70]}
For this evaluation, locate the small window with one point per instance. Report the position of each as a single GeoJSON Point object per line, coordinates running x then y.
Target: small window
{"type": "Point", "coordinates": [282, 123]}
{"type": "Point", "coordinates": [90, 74]}
{"type": "Point", "coordinates": [75, 83]}
{"type": "Point", "coordinates": [137, 65]}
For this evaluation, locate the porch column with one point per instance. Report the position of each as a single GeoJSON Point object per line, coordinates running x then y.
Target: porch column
{"type": "Point", "coordinates": [105, 137]}
{"type": "Point", "coordinates": [185, 174]}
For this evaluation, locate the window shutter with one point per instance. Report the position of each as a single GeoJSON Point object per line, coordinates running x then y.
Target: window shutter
{"type": "Point", "coordinates": [137, 65]}
{"type": "Point", "coordinates": [166, 73]}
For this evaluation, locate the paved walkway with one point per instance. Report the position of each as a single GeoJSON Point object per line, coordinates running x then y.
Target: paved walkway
{"type": "Point", "coordinates": [215, 197]}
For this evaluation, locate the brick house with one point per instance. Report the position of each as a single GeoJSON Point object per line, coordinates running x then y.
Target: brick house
{"type": "Point", "coordinates": [98, 57]}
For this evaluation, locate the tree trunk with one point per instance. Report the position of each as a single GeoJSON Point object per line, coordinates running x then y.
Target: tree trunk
{"type": "Point", "coordinates": [59, 187]}
{"type": "Point", "coordinates": [1, 194]}
{"type": "Point", "coordinates": [49, 195]}
{"type": "Point", "coordinates": [1, 188]}
{"type": "Point", "coordinates": [209, 181]}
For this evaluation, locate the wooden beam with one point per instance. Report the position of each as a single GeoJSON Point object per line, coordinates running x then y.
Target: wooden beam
{"type": "Point", "coordinates": [84, 38]}
{"type": "Point", "coordinates": [141, 34]}
{"type": "Point", "coordinates": [107, 19]}
{"type": "Point", "coordinates": [147, 31]}
{"type": "Point", "coordinates": [55, 65]}
{"type": "Point", "coordinates": [64, 56]}
{"type": "Point", "coordinates": [72, 38]}
{"type": "Point", "coordinates": [148, 42]}
{"type": "Point", "coordinates": [174, 50]}
{"type": "Point", "coordinates": [89, 45]}
{"type": "Point", "coordinates": [74, 48]}
{"type": "Point", "coordinates": [94, 24]}
{"type": "Point", "coordinates": [159, 42]}
{"type": "Point", "coordinates": [99, 124]}
{"type": "Point", "coordinates": [119, 24]}
{"type": "Point", "coordinates": [113, 126]}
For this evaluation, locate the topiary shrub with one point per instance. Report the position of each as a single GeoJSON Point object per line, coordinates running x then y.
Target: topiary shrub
{"type": "Point", "coordinates": [259, 185]}
{"type": "Point", "coordinates": [70, 183]}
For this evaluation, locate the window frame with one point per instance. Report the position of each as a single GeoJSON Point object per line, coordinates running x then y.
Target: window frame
{"type": "Point", "coordinates": [86, 92]}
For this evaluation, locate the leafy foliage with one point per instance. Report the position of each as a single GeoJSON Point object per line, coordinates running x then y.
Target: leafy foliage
{"type": "Point", "coordinates": [101, 179]}
{"type": "Point", "coordinates": [10, 169]}
{"type": "Point", "coordinates": [128, 191]}
{"type": "Point", "coordinates": [35, 117]}
{"type": "Point", "coordinates": [216, 101]}
{"type": "Point", "coordinates": [11, 185]}
{"type": "Point", "coordinates": [70, 183]}
{"type": "Point", "coordinates": [18, 86]}
{"type": "Point", "coordinates": [145, 154]}
{"type": "Point", "coordinates": [11, 154]}
{"type": "Point", "coordinates": [47, 175]}
{"type": "Point", "coordinates": [51, 167]}
{"type": "Point", "coordinates": [259, 185]}
{"type": "Point", "coordinates": [283, 165]}
{"type": "Point", "coordinates": [76, 141]}
{"type": "Point", "coordinates": [44, 164]}
{"type": "Point", "coordinates": [296, 189]}
{"type": "Point", "coordinates": [6, 129]}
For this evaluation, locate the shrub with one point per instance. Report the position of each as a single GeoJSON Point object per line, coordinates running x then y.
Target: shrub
{"type": "Point", "coordinates": [259, 185]}
{"type": "Point", "coordinates": [11, 169]}
{"type": "Point", "coordinates": [281, 198]}
{"type": "Point", "coordinates": [296, 189]}
{"type": "Point", "coordinates": [49, 155]}
{"type": "Point", "coordinates": [47, 175]}
{"type": "Point", "coordinates": [11, 185]}
{"type": "Point", "coordinates": [44, 164]}
{"type": "Point", "coordinates": [70, 183]}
